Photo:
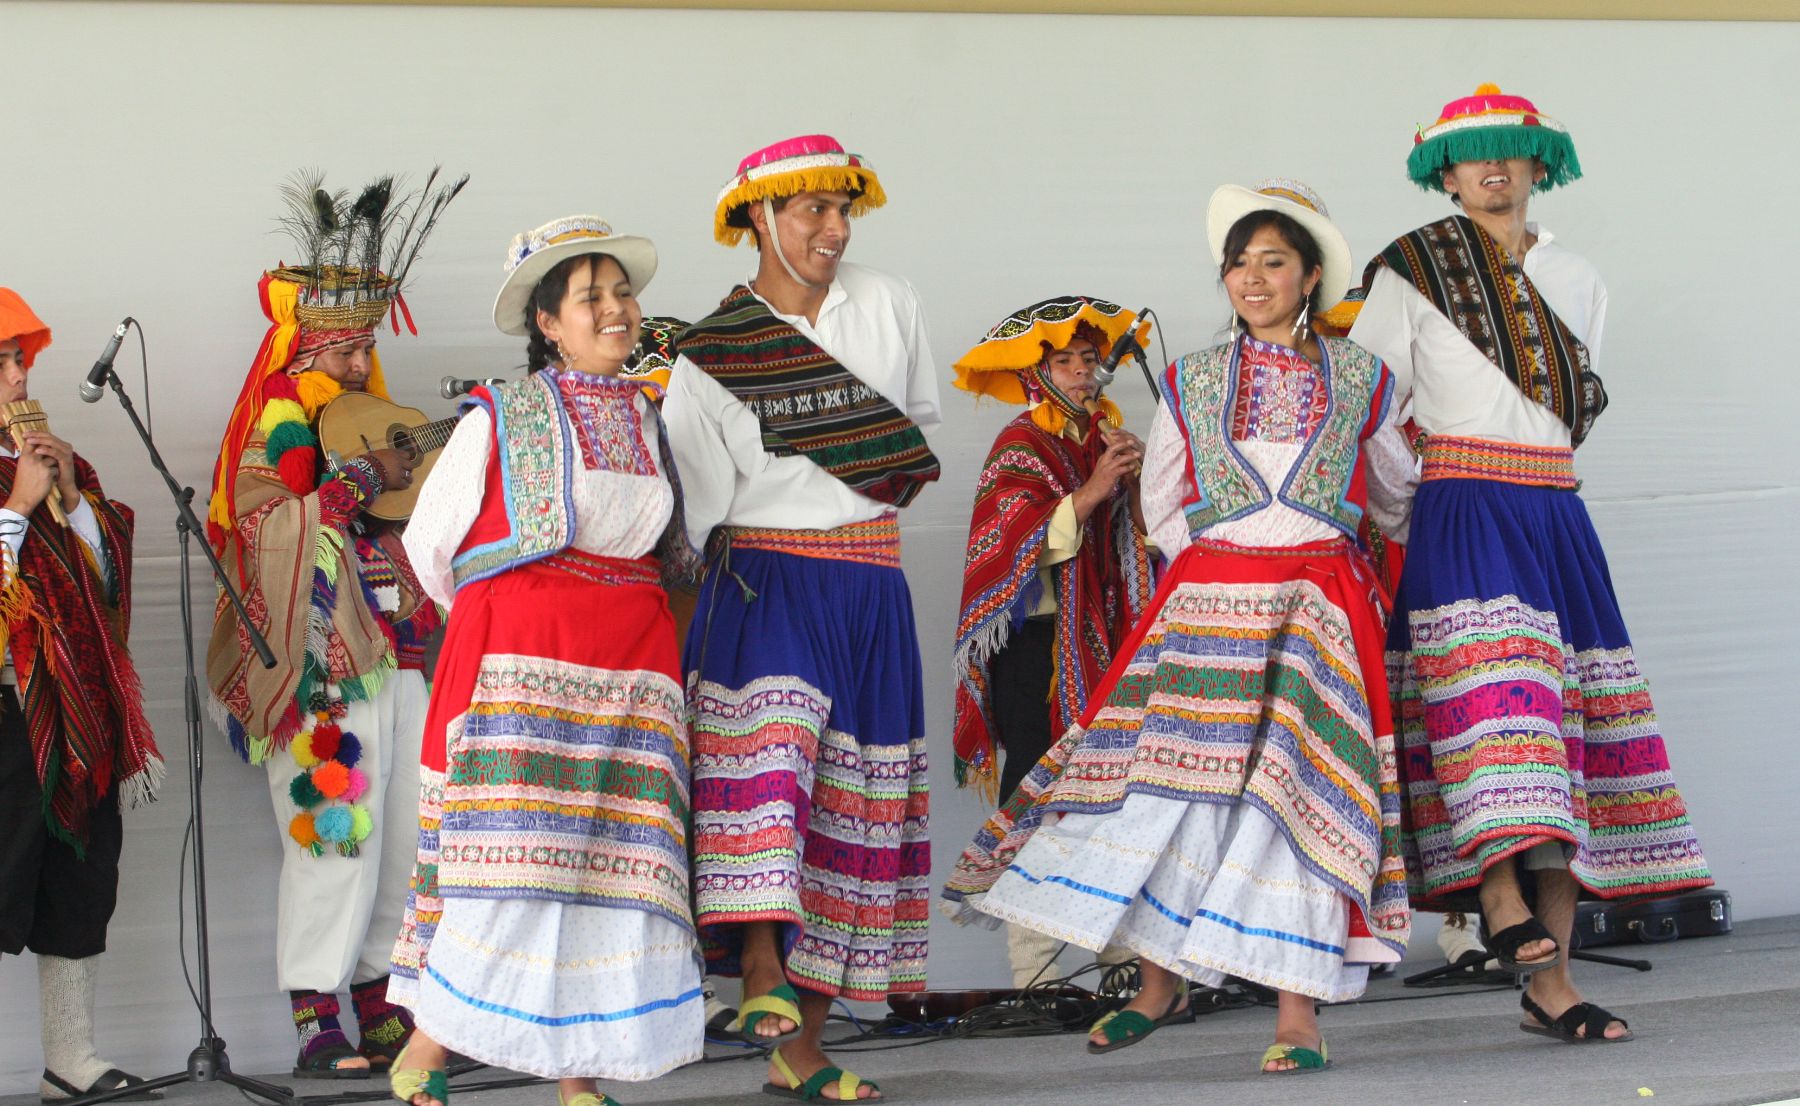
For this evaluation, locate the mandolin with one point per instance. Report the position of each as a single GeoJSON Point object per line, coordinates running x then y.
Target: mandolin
{"type": "Point", "coordinates": [356, 423]}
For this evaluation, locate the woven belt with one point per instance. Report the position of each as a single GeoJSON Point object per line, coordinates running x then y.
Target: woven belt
{"type": "Point", "coordinates": [1480, 459]}
{"type": "Point", "coordinates": [875, 542]}
{"type": "Point", "coordinates": [616, 571]}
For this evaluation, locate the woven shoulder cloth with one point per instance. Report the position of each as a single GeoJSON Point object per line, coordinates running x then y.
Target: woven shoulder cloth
{"type": "Point", "coordinates": [808, 403]}
{"type": "Point", "coordinates": [1485, 293]}
{"type": "Point", "coordinates": [83, 703]}
{"type": "Point", "coordinates": [1099, 593]}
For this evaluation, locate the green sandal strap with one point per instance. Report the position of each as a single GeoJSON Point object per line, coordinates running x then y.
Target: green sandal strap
{"type": "Point", "coordinates": [781, 1002]}
{"type": "Point", "coordinates": [1303, 1058]}
{"type": "Point", "coordinates": [848, 1083]}
{"type": "Point", "coordinates": [1123, 1024]}
{"type": "Point", "coordinates": [408, 1083]}
{"type": "Point", "coordinates": [587, 1098]}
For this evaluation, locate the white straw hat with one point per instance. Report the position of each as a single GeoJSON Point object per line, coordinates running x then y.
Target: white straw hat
{"type": "Point", "coordinates": [1294, 199]}
{"type": "Point", "coordinates": [536, 252]}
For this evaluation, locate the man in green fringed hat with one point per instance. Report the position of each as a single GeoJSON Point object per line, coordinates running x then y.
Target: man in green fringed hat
{"type": "Point", "coordinates": [1533, 767]}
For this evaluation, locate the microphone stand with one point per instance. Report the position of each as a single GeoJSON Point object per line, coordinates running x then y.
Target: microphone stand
{"type": "Point", "coordinates": [208, 1062]}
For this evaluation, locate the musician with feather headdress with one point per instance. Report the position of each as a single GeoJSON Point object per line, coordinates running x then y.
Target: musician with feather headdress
{"type": "Point", "coordinates": [337, 722]}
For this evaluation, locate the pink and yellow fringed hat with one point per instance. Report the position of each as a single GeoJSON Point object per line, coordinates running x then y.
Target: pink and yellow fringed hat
{"type": "Point", "coordinates": [1491, 124]}
{"type": "Point", "coordinates": [809, 163]}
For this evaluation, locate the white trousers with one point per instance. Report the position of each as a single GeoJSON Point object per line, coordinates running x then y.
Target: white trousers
{"type": "Point", "coordinates": [336, 916]}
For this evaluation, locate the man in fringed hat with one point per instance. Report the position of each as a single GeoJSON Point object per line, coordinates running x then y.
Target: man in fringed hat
{"type": "Point", "coordinates": [1057, 570]}
{"type": "Point", "coordinates": [795, 411]}
{"type": "Point", "coordinates": [337, 722]}
{"type": "Point", "coordinates": [1534, 766]}
{"type": "Point", "coordinates": [73, 736]}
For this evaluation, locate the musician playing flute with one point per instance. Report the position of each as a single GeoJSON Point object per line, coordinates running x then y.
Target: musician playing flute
{"type": "Point", "coordinates": [74, 741]}
{"type": "Point", "coordinates": [1057, 569]}
{"type": "Point", "coordinates": [336, 724]}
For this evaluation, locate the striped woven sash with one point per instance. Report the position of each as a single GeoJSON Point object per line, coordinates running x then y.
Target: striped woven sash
{"type": "Point", "coordinates": [1449, 458]}
{"type": "Point", "coordinates": [808, 403]}
{"type": "Point", "coordinates": [875, 542]}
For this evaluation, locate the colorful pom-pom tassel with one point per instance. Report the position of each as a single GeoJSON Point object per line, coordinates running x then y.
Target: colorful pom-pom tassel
{"type": "Point", "coordinates": [299, 469]}
{"type": "Point", "coordinates": [325, 740]}
{"type": "Point", "coordinates": [286, 436]}
{"type": "Point", "coordinates": [331, 778]}
{"type": "Point", "coordinates": [302, 830]}
{"type": "Point", "coordinates": [302, 749]}
{"type": "Point", "coordinates": [334, 824]}
{"type": "Point", "coordinates": [277, 411]}
{"type": "Point", "coordinates": [305, 795]}
{"type": "Point", "coordinates": [349, 750]}
{"type": "Point", "coordinates": [314, 390]}
{"type": "Point", "coordinates": [362, 823]}
{"type": "Point", "coordinates": [358, 783]}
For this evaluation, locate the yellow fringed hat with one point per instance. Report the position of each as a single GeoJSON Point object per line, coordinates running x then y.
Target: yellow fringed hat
{"type": "Point", "coordinates": [1018, 342]}
{"type": "Point", "coordinates": [808, 163]}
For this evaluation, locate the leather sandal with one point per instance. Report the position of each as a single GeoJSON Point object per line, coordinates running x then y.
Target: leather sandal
{"type": "Point", "coordinates": [110, 1080]}
{"type": "Point", "coordinates": [1506, 944]}
{"type": "Point", "coordinates": [406, 1083]}
{"type": "Point", "coordinates": [813, 1089]}
{"type": "Point", "coordinates": [323, 1063]}
{"type": "Point", "coordinates": [782, 1001]}
{"type": "Point", "coordinates": [1305, 1059]}
{"type": "Point", "coordinates": [1581, 1024]}
{"type": "Point", "coordinates": [1124, 1028]}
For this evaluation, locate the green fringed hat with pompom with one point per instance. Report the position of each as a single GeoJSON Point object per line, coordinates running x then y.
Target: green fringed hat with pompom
{"type": "Point", "coordinates": [1487, 125]}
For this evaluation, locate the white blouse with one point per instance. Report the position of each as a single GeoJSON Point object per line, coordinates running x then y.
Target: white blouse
{"type": "Point", "coordinates": [873, 325]}
{"type": "Point", "coordinates": [1455, 390]}
{"type": "Point", "coordinates": [618, 512]}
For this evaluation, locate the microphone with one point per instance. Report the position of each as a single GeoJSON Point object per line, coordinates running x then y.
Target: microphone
{"type": "Point", "coordinates": [91, 388]}
{"type": "Point", "coordinates": [452, 386]}
{"type": "Point", "coordinates": [1127, 343]}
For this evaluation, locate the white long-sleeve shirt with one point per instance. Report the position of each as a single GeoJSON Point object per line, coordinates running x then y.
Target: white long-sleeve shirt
{"type": "Point", "coordinates": [1455, 389]}
{"type": "Point", "coordinates": [873, 325]}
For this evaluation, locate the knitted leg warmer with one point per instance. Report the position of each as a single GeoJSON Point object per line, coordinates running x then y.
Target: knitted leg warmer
{"type": "Point", "coordinates": [316, 1020]}
{"type": "Point", "coordinates": [385, 1026]}
{"type": "Point", "coordinates": [66, 1004]}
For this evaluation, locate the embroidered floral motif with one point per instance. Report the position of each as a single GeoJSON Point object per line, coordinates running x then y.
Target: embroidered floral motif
{"type": "Point", "coordinates": [1279, 397]}
{"type": "Point", "coordinates": [608, 425]}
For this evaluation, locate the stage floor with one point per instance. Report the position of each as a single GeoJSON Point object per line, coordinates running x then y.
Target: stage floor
{"type": "Point", "coordinates": [1717, 1024]}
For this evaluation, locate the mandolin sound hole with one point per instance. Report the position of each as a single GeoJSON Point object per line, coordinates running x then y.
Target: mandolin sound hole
{"type": "Point", "coordinates": [401, 439]}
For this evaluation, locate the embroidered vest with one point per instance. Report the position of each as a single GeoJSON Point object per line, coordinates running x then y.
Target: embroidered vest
{"type": "Point", "coordinates": [536, 446]}
{"type": "Point", "coordinates": [1199, 389]}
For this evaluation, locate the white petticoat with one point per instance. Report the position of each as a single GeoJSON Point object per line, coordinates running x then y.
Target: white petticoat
{"type": "Point", "coordinates": [563, 991]}
{"type": "Point", "coordinates": [1205, 890]}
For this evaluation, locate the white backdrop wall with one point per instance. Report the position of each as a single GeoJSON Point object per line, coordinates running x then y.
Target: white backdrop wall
{"type": "Point", "coordinates": [141, 146]}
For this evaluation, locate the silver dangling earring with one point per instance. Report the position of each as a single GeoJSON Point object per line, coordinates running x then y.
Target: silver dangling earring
{"type": "Point", "coordinates": [1234, 329]}
{"type": "Point", "coordinates": [1299, 328]}
{"type": "Point", "coordinates": [563, 356]}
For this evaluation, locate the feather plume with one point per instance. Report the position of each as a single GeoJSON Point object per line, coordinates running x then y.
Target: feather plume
{"type": "Point", "coordinates": [310, 217]}
{"type": "Point", "coordinates": [368, 219]}
{"type": "Point", "coordinates": [406, 252]}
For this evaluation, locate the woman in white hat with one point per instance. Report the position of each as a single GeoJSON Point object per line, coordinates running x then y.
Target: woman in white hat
{"type": "Point", "coordinates": [549, 927]}
{"type": "Point", "coordinates": [1227, 805]}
